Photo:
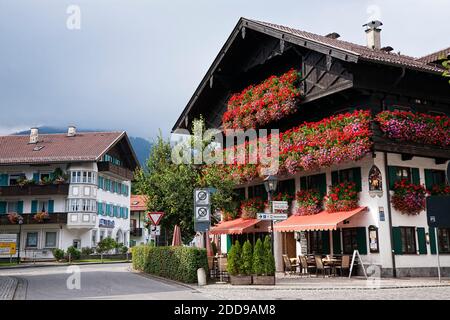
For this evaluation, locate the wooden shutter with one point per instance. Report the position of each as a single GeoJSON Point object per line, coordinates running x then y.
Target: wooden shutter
{"type": "Point", "coordinates": [51, 206]}
{"type": "Point", "coordinates": [415, 175]}
{"type": "Point", "coordinates": [337, 242]}
{"type": "Point", "coordinates": [4, 180]}
{"type": "Point", "coordinates": [325, 242]}
{"type": "Point", "coordinates": [357, 178]}
{"type": "Point", "coordinates": [34, 205]}
{"type": "Point", "coordinates": [392, 172]}
{"type": "Point", "coordinates": [432, 234]}
{"type": "Point", "coordinates": [20, 207]}
{"type": "Point", "coordinates": [2, 207]}
{"type": "Point", "coordinates": [422, 240]}
{"type": "Point", "coordinates": [361, 239]}
{"type": "Point", "coordinates": [397, 235]}
{"type": "Point", "coordinates": [429, 179]}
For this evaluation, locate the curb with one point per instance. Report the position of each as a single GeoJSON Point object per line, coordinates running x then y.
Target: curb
{"type": "Point", "coordinates": [25, 266]}
{"type": "Point", "coordinates": [164, 280]}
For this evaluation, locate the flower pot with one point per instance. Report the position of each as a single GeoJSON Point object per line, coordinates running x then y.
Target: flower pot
{"type": "Point", "coordinates": [240, 280]}
{"type": "Point", "coordinates": [264, 280]}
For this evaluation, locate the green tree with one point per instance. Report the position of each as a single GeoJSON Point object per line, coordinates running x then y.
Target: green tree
{"type": "Point", "coordinates": [234, 259]}
{"type": "Point", "coordinates": [247, 258]}
{"type": "Point", "coordinates": [105, 245]}
{"type": "Point", "coordinates": [269, 261]}
{"type": "Point", "coordinates": [258, 258]}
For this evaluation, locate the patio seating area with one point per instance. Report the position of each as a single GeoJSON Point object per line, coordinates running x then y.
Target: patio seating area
{"type": "Point", "coordinates": [318, 265]}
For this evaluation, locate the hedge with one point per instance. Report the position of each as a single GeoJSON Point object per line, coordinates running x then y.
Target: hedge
{"type": "Point", "coordinates": [176, 263]}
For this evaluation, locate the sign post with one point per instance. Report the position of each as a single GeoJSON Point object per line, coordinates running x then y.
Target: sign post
{"type": "Point", "coordinates": [155, 218]}
{"type": "Point", "coordinates": [202, 211]}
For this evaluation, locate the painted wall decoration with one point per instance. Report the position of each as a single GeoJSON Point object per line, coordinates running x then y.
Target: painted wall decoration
{"type": "Point", "coordinates": [375, 182]}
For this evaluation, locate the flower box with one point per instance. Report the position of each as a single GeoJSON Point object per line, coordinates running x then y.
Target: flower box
{"type": "Point", "coordinates": [240, 280]}
{"type": "Point", "coordinates": [408, 198]}
{"type": "Point", "coordinates": [264, 280]}
{"type": "Point", "coordinates": [342, 197]}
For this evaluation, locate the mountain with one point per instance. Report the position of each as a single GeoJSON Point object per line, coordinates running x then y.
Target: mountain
{"type": "Point", "coordinates": [140, 145]}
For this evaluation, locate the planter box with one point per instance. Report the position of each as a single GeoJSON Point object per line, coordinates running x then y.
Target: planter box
{"type": "Point", "coordinates": [264, 280]}
{"type": "Point", "coordinates": [240, 280]}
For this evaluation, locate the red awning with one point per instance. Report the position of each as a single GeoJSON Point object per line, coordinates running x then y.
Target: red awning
{"type": "Point", "coordinates": [240, 226]}
{"type": "Point", "coordinates": [320, 221]}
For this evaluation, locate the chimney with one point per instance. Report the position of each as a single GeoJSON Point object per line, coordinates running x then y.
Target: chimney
{"type": "Point", "coordinates": [373, 34]}
{"type": "Point", "coordinates": [71, 131]}
{"type": "Point", "coordinates": [34, 135]}
{"type": "Point", "coordinates": [333, 35]}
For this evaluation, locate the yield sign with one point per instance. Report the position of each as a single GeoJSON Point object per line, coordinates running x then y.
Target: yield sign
{"type": "Point", "coordinates": [155, 217]}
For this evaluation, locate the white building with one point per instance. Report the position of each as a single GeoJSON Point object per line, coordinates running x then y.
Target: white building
{"type": "Point", "coordinates": [81, 181]}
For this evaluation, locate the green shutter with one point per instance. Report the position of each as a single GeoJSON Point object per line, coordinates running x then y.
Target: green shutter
{"type": "Point", "coordinates": [392, 176]}
{"type": "Point", "coordinates": [361, 239]}
{"type": "Point", "coordinates": [334, 177]}
{"type": "Point", "coordinates": [51, 206]}
{"type": "Point", "coordinates": [415, 175]}
{"type": "Point", "coordinates": [20, 207]}
{"type": "Point", "coordinates": [357, 178]}
{"type": "Point", "coordinates": [228, 243]}
{"type": "Point", "coordinates": [34, 205]}
{"type": "Point", "coordinates": [397, 235]}
{"type": "Point", "coordinates": [429, 179]}
{"type": "Point", "coordinates": [36, 177]}
{"type": "Point", "coordinates": [422, 240]}
{"type": "Point", "coordinates": [322, 183]}
{"type": "Point", "coordinates": [4, 180]}
{"type": "Point", "coordinates": [432, 235]}
{"type": "Point", "coordinates": [326, 242]}
{"type": "Point", "coordinates": [337, 242]}
{"type": "Point", "coordinates": [2, 207]}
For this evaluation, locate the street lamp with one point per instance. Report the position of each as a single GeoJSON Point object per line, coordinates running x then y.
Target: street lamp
{"type": "Point", "coordinates": [20, 222]}
{"type": "Point", "coordinates": [270, 183]}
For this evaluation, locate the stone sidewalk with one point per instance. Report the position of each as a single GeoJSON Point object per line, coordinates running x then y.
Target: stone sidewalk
{"type": "Point", "coordinates": [8, 287]}
{"type": "Point", "coordinates": [295, 282]}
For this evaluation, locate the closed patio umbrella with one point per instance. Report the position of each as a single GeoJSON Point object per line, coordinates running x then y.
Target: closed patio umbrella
{"type": "Point", "coordinates": [209, 250]}
{"type": "Point", "coordinates": [176, 240]}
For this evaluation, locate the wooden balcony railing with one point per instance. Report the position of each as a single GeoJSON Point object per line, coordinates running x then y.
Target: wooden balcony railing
{"type": "Point", "coordinates": [35, 190]}
{"type": "Point", "coordinates": [125, 173]}
{"type": "Point", "coordinates": [136, 232]}
{"type": "Point", "coordinates": [53, 218]}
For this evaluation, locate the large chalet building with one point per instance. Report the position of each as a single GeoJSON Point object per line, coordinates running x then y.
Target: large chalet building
{"type": "Point", "coordinates": [69, 189]}
{"type": "Point", "coordinates": [338, 78]}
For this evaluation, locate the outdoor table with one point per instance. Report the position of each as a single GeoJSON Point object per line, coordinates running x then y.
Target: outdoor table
{"type": "Point", "coordinates": [332, 262]}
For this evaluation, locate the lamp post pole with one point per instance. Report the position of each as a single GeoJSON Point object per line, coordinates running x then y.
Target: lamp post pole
{"type": "Point", "coordinates": [269, 198]}
{"type": "Point", "coordinates": [20, 236]}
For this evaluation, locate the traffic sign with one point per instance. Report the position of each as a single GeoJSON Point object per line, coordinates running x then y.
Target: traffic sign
{"type": "Point", "coordinates": [272, 216]}
{"type": "Point", "coordinates": [155, 217]}
{"type": "Point", "coordinates": [202, 213]}
{"type": "Point", "coordinates": [202, 197]}
{"type": "Point", "coordinates": [280, 206]}
{"type": "Point", "coordinates": [155, 231]}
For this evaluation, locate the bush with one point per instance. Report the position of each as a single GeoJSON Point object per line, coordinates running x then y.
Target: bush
{"type": "Point", "coordinates": [234, 259]}
{"type": "Point", "coordinates": [123, 249]}
{"type": "Point", "coordinates": [86, 251]}
{"type": "Point", "coordinates": [107, 244]}
{"type": "Point", "coordinates": [258, 258]}
{"type": "Point", "coordinates": [176, 263]}
{"type": "Point", "coordinates": [74, 253]}
{"type": "Point", "coordinates": [246, 258]}
{"type": "Point", "coordinates": [58, 254]}
{"type": "Point", "coordinates": [269, 261]}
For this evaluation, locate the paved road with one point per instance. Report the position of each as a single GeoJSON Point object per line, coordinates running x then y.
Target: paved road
{"type": "Point", "coordinates": [109, 281]}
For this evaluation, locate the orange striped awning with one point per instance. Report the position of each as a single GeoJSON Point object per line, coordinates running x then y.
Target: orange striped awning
{"type": "Point", "coordinates": [240, 226]}
{"type": "Point", "coordinates": [321, 221]}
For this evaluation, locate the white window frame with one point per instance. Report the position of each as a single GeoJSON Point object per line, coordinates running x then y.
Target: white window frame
{"type": "Point", "coordinates": [45, 239]}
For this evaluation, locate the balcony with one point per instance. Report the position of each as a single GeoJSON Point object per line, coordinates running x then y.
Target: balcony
{"type": "Point", "coordinates": [35, 190]}
{"type": "Point", "coordinates": [115, 169]}
{"type": "Point", "coordinates": [81, 220]}
{"type": "Point", "coordinates": [136, 232]}
{"type": "Point", "coordinates": [54, 218]}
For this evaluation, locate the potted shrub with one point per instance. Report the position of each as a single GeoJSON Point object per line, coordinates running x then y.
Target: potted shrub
{"type": "Point", "coordinates": [308, 202]}
{"type": "Point", "coordinates": [259, 265]}
{"type": "Point", "coordinates": [269, 261]}
{"type": "Point", "coordinates": [234, 267]}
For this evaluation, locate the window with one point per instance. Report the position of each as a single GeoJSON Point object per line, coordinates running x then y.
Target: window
{"type": "Point", "coordinates": [403, 173]}
{"type": "Point", "coordinates": [239, 194]}
{"type": "Point", "coordinates": [399, 173]}
{"type": "Point", "coordinates": [15, 178]}
{"type": "Point", "coordinates": [349, 240]}
{"type": "Point", "coordinates": [32, 240]}
{"type": "Point", "coordinates": [102, 235]}
{"type": "Point", "coordinates": [434, 177]}
{"type": "Point", "coordinates": [42, 206]}
{"type": "Point", "coordinates": [76, 243]}
{"type": "Point", "coordinates": [258, 191]}
{"type": "Point", "coordinates": [12, 206]}
{"type": "Point", "coordinates": [50, 239]}
{"type": "Point", "coordinates": [347, 175]}
{"type": "Point", "coordinates": [444, 240]}
{"type": "Point", "coordinates": [317, 181]}
{"type": "Point", "coordinates": [286, 187]}
{"type": "Point", "coordinates": [94, 238]}
{"type": "Point", "coordinates": [44, 176]}
{"type": "Point", "coordinates": [315, 243]}
{"type": "Point", "coordinates": [408, 235]}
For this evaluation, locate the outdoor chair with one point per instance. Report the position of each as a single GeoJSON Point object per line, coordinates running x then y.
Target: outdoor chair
{"type": "Point", "coordinates": [288, 266]}
{"type": "Point", "coordinates": [305, 268]}
{"type": "Point", "coordinates": [345, 265]}
{"type": "Point", "coordinates": [320, 267]}
{"type": "Point", "coordinates": [212, 271]}
{"type": "Point", "coordinates": [222, 272]}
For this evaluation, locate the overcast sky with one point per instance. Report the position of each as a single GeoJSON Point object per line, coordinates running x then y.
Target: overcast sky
{"type": "Point", "coordinates": [134, 64]}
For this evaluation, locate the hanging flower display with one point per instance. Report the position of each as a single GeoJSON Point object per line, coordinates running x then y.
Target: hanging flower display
{"type": "Point", "coordinates": [271, 100]}
{"type": "Point", "coordinates": [281, 196]}
{"type": "Point", "coordinates": [408, 198]}
{"type": "Point", "coordinates": [309, 202]}
{"type": "Point", "coordinates": [439, 190]}
{"type": "Point", "coordinates": [415, 127]}
{"type": "Point", "coordinates": [249, 208]}
{"type": "Point", "coordinates": [13, 217]}
{"type": "Point", "coordinates": [341, 197]}
{"type": "Point", "coordinates": [41, 216]}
